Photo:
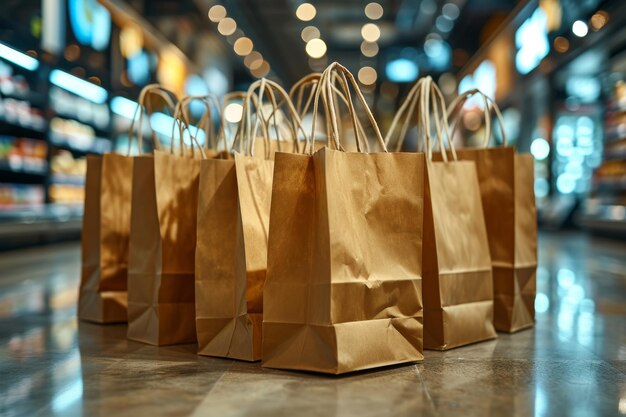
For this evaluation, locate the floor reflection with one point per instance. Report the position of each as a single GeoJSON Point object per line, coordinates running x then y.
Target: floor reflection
{"type": "Point", "coordinates": [572, 363]}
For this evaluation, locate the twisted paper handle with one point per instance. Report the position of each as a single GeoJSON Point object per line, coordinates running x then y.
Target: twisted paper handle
{"type": "Point", "coordinates": [457, 104]}
{"type": "Point", "coordinates": [143, 106]}
{"type": "Point", "coordinates": [265, 86]}
{"type": "Point", "coordinates": [326, 91]}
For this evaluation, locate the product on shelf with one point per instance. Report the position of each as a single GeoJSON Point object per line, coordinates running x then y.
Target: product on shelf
{"type": "Point", "coordinates": [23, 155]}
{"type": "Point", "coordinates": [66, 169]}
{"type": "Point", "coordinates": [21, 195]}
{"type": "Point", "coordinates": [76, 135]}
{"type": "Point", "coordinates": [66, 193]}
{"type": "Point", "coordinates": [70, 105]}
{"type": "Point", "coordinates": [13, 85]}
{"type": "Point", "coordinates": [21, 113]}
{"type": "Point", "coordinates": [68, 178]}
{"type": "Point", "coordinates": [605, 208]}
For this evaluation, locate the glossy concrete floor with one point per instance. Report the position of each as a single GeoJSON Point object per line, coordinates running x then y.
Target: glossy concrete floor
{"type": "Point", "coordinates": [572, 364]}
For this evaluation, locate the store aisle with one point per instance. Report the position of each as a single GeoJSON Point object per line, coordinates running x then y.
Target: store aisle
{"type": "Point", "coordinates": [573, 363]}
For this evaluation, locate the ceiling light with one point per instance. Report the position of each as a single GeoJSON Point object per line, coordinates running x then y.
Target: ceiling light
{"type": "Point", "coordinates": [370, 32]}
{"type": "Point", "coordinates": [451, 11]}
{"type": "Point", "coordinates": [367, 75]}
{"type": "Point", "coordinates": [227, 26]}
{"type": "Point", "coordinates": [253, 60]}
{"type": "Point", "coordinates": [316, 48]}
{"type": "Point", "coordinates": [561, 44]}
{"type": "Point", "coordinates": [123, 106]}
{"type": "Point", "coordinates": [374, 11]}
{"type": "Point", "coordinates": [78, 86]}
{"type": "Point", "coordinates": [447, 83]}
{"type": "Point", "coordinates": [18, 58]}
{"type": "Point", "coordinates": [402, 70]}
{"type": "Point", "coordinates": [580, 29]}
{"type": "Point", "coordinates": [428, 6]}
{"type": "Point", "coordinates": [599, 19]}
{"type": "Point", "coordinates": [309, 32]}
{"type": "Point", "coordinates": [233, 112]}
{"type": "Point", "coordinates": [306, 12]}
{"type": "Point", "coordinates": [217, 13]}
{"type": "Point", "coordinates": [369, 49]}
{"type": "Point", "coordinates": [262, 70]}
{"type": "Point", "coordinates": [243, 46]}
{"type": "Point", "coordinates": [444, 24]}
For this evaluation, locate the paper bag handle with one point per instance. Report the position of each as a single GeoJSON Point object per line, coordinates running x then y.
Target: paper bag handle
{"type": "Point", "coordinates": [270, 88]}
{"type": "Point", "coordinates": [312, 81]}
{"type": "Point", "coordinates": [440, 119]}
{"type": "Point", "coordinates": [408, 106]}
{"type": "Point", "coordinates": [179, 120]}
{"type": "Point", "coordinates": [457, 103]}
{"type": "Point", "coordinates": [326, 91]}
{"type": "Point", "coordinates": [228, 98]}
{"type": "Point", "coordinates": [206, 119]}
{"type": "Point", "coordinates": [170, 100]}
{"type": "Point", "coordinates": [417, 103]}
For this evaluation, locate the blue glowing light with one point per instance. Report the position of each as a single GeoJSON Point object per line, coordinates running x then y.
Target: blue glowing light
{"type": "Point", "coordinates": [531, 40]}
{"type": "Point", "coordinates": [80, 87]}
{"type": "Point", "coordinates": [402, 70]}
{"type": "Point", "coordinates": [123, 107]}
{"type": "Point", "coordinates": [18, 58]}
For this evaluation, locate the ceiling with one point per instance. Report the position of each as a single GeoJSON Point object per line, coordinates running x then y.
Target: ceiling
{"type": "Point", "coordinates": [405, 27]}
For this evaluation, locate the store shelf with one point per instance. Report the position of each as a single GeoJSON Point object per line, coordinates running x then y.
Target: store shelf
{"type": "Point", "coordinates": [23, 130]}
{"type": "Point", "coordinates": [98, 145]}
{"type": "Point", "coordinates": [36, 100]}
{"type": "Point", "coordinates": [68, 179]}
{"type": "Point", "coordinates": [24, 170]}
{"type": "Point", "coordinates": [100, 130]}
{"type": "Point", "coordinates": [20, 221]}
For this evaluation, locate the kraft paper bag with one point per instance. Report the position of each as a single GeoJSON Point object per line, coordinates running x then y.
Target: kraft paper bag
{"type": "Point", "coordinates": [231, 251]}
{"type": "Point", "coordinates": [343, 288]}
{"type": "Point", "coordinates": [161, 303]}
{"type": "Point", "coordinates": [506, 182]}
{"type": "Point", "coordinates": [457, 284]}
{"type": "Point", "coordinates": [106, 224]}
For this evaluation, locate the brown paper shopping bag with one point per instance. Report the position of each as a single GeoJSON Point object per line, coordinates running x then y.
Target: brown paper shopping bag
{"type": "Point", "coordinates": [343, 291]}
{"type": "Point", "coordinates": [231, 251]}
{"type": "Point", "coordinates": [506, 185]}
{"type": "Point", "coordinates": [106, 226]}
{"type": "Point", "coordinates": [457, 285]}
{"type": "Point", "coordinates": [161, 301]}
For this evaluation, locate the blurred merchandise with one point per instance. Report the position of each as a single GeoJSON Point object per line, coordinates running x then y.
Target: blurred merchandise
{"type": "Point", "coordinates": [67, 193]}
{"type": "Point", "coordinates": [67, 178]}
{"type": "Point", "coordinates": [23, 155]}
{"type": "Point", "coordinates": [69, 105]}
{"type": "Point", "coordinates": [21, 113]}
{"type": "Point", "coordinates": [78, 136]}
{"type": "Point", "coordinates": [605, 209]}
{"type": "Point", "coordinates": [67, 169]}
{"type": "Point", "coordinates": [18, 195]}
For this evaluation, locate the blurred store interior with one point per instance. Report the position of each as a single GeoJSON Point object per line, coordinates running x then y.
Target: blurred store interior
{"type": "Point", "coordinates": [71, 71]}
